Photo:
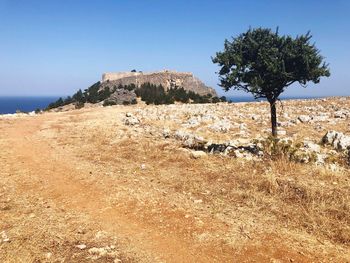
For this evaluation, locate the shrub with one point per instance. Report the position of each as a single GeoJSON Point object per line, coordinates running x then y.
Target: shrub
{"type": "Point", "coordinates": [79, 105]}
{"type": "Point", "coordinates": [109, 103]}
{"type": "Point", "coordinates": [149, 93]}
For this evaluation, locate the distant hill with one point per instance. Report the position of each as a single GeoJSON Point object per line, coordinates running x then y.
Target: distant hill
{"type": "Point", "coordinates": [166, 78]}
{"type": "Point", "coordinates": [164, 87]}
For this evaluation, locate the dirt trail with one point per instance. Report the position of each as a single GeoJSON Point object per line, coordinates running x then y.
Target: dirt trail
{"type": "Point", "coordinates": [57, 181]}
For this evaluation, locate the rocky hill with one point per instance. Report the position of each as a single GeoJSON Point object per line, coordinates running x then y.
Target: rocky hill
{"type": "Point", "coordinates": [163, 87]}
{"type": "Point", "coordinates": [168, 79]}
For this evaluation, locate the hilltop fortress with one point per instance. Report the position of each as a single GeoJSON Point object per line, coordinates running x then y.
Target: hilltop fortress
{"type": "Point", "coordinates": [168, 79]}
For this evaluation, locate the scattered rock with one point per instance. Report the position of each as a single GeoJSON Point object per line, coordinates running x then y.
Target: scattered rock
{"type": "Point", "coordinates": [312, 146]}
{"type": "Point", "coordinates": [281, 132]}
{"type": "Point", "coordinates": [192, 122]}
{"type": "Point", "coordinates": [81, 247]}
{"type": "Point", "coordinates": [4, 237]}
{"type": "Point", "coordinates": [108, 251]}
{"type": "Point", "coordinates": [198, 201]}
{"type": "Point", "coordinates": [320, 118]}
{"type": "Point", "coordinates": [333, 167]}
{"type": "Point", "coordinates": [166, 133]}
{"type": "Point", "coordinates": [221, 126]}
{"type": "Point", "coordinates": [242, 126]}
{"type": "Point", "coordinates": [338, 140]}
{"type": "Point", "coordinates": [131, 120]}
{"type": "Point", "coordinates": [48, 255]}
{"type": "Point", "coordinates": [341, 114]}
{"type": "Point", "coordinates": [304, 118]}
{"type": "Point", "coordinates": [190, 140]}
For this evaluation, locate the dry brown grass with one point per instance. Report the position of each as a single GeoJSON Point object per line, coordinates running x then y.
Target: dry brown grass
{"type": "Point", "coordinates": [285, 196]}
{"type": "Point", "coordinates": [303, 198]}
{"type": "Point", "coordinates": [272, 207]}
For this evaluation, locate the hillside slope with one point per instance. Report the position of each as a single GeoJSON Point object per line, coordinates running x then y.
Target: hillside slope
{"type": "Point", "coordinates": [114, 184]}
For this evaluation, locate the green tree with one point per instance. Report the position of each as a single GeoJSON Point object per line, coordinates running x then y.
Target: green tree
{"type": "Point", "coordinates": [78, 96]}
{"type": "Point", "coordinates": [264, 63]}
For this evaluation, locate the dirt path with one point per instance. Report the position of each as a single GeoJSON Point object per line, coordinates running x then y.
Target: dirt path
{"type": "Point", "coordinates": [57, 181]}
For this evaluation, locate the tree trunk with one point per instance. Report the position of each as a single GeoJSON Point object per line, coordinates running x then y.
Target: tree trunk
{"type": "Point", "coordinates": [273, 118]}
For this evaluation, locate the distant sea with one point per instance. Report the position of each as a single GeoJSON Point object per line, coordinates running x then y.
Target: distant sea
{"type": "Point", "coordinates": [24, 104]}
{"type": "Point", "coordinates": [27, 104]}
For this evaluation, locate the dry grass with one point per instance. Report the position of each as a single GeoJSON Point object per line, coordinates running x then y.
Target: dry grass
{"type": "Point", "coordinates": [285, 196]}
{"type": "Point", "coordinates": [216, 201]}
{"type": "Point", "coordinates": [302, 198]}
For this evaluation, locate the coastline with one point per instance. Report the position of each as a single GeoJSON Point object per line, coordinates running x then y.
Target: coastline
{"type": "Point", "coordinates": [9, 105]}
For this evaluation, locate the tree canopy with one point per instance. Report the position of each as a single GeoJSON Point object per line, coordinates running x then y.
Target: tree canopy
{"type": "Point", "coordinates": [264, 63]}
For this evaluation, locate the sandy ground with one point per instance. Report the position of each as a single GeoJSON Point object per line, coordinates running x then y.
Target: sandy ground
{"type": "Point", "coordinates": [80, 186]}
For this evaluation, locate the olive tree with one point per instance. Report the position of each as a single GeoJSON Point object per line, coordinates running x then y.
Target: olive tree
{"type": "Point", "coordinates": [264, 63]}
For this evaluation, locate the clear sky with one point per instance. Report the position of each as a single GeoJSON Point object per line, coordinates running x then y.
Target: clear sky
{"type": "Point", "coordinates": [56, 47]}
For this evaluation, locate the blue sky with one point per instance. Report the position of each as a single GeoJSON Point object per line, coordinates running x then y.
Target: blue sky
{"type": "Point", "coordinates": [57, 47]}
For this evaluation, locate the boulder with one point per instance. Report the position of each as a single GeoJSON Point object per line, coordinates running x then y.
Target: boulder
{"type": "Point", "coordinates": [338, 140]}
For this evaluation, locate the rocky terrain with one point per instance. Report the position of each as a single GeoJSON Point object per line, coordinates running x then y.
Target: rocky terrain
{"type": "Point", "coordinates": [177, 183]}
{"type": "Point", "coordinates": [168, 79]}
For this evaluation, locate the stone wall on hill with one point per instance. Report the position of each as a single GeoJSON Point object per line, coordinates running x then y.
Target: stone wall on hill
{"type": "Point", "coordinates": [168, 79]}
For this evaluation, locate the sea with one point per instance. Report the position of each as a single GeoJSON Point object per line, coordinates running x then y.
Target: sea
{"type": "Point", "coordinates": [28, 104]}
{"type": "Point", "coordinates": [24, 104]}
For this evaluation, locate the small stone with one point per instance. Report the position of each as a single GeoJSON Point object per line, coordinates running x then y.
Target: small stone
{"type": "Point", "coordinates": [281, 132]}
{"type": "Point", "coordinates": [81, 230]}
{"type": "Point", "coordinates": [166, 133]}
{"type": "Point", "coordinates": [131, 120]}
{"type": "Point", "coordinates": [4, 237]}
{"type": "Point", "coordinates": [198, 201]}
{"type": "Point", "coordinates": [242, 126]}
{"type": "Point", "coordinates": [81, 247]}
{"type": "Point", "coordinates": [304, 118]}
{"type": "Point", "coordinates": [312, 146]}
